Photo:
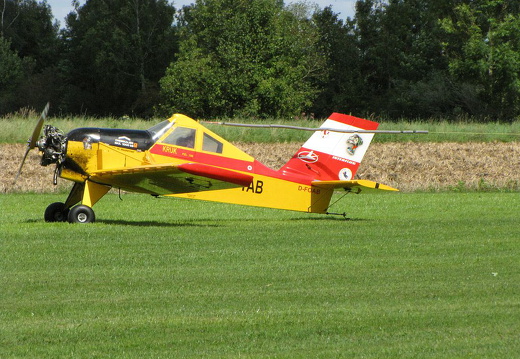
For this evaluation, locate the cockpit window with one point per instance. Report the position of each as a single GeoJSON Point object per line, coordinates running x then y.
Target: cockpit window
{"type": "Point", "coordinates": [181, 136]}
{"type": "Point", "coordinates": [211, 145]}
{"type": "Point", "coordinates": [160, 129]}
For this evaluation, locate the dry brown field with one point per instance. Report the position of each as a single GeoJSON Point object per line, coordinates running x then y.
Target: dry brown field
{"type": "Point", "coordinates": [407, 166]}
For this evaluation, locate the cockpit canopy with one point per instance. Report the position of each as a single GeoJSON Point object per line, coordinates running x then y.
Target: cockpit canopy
{"type": "Point", "coordinates": [133, 139]}
{"type": "Point", "coordinates": [143, 140]}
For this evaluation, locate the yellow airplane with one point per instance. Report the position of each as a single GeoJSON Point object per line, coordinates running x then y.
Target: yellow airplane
{"type": "Point", "coordinates": [179, 157]}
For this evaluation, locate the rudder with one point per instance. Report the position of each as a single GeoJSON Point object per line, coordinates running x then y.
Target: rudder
{"type": "Point", "coordinates": [329, 155]}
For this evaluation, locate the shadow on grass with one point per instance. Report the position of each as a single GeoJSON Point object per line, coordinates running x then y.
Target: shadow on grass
{"type": "Point", "coordinates": [136, 223]}
{"type": "Point", "coordinates": [155, 223]}
{"type": "Point", "coordinates": [330, 218]}
{"type": "Point", "coordinates": [210, 222]}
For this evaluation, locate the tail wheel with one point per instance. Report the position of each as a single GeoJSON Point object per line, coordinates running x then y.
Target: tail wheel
{"type": "Point", "coordinates": [81, 214]}
{"type": "Point", "coordinates": [56, 212]}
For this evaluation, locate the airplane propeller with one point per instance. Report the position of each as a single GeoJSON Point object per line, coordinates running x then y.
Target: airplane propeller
{"type": "Point", "coordinates": [31, 142]}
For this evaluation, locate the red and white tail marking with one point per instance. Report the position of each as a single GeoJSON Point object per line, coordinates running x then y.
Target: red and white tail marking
{"type": "Point", "coordinates": [329, 155]}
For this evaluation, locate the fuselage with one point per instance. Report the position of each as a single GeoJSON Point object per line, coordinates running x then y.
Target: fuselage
{"type": "Point", "coordinates": [176, 142]}
{"type": "Point", "coordinates": [181, 158]}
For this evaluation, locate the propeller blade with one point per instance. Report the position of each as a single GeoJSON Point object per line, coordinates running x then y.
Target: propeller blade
{"type": "Point", "coordinates": [21, 164]}
{"type": "Point", "coordinates": [31, 142]}
{"type": "Point", "coordinates": [36, 133]}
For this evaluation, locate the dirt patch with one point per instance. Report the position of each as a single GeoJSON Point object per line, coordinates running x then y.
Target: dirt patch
{"type": "Point", "coordinates": [34, 178]}
{"type": "Point", "coordinates": [407, 166]}
{"type": "Point", "coordinates": [423, 166]}
{"type": "Point", "coordinates": [435, 166]}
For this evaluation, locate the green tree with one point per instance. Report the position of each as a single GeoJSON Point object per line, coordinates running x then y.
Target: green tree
{"type": "Point", "coordinates": [116, 52]}
{"type": "Point", "coordinates": [483, 48]}
{"type": "Point", "coordinates": [11, 68]}
{"type": "Point", "coordinates": [29, 28]}
{"type": "Point", "coordinates": [420, 86]}
{"type": "Point", "coordinates": [413, 64]}
{"type": "Point", "coordinates": [402, 69]}
{"type": "Point", "coordinates": [11, 74]}
{"type": "Point", "coordinates": [373, 55]}
{"type": "Point", "coordinates": [340, 85]}
{"type": "Point", "coordinates": [246, 57]}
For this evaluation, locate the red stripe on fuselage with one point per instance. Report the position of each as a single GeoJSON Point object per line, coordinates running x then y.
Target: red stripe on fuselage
{"type": "Point", "coordinates": [202, 157]}
{"type": "Point", "coordinates": [255, 167]}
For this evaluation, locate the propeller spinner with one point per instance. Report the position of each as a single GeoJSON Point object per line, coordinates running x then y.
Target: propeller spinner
{"type": "Point", "coordinates": [31, 142]}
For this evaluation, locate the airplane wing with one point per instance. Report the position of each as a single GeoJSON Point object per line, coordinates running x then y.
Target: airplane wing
{"type": "Point", "coordinates": [356, 186]}
{"type": "Point", "coordinates": [171, 179]}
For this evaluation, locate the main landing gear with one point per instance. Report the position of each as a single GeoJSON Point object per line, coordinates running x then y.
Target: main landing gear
{"type": "Point", "coordinates": [88, 193]}
{"type": "Point", "coordinates": [57, 212]}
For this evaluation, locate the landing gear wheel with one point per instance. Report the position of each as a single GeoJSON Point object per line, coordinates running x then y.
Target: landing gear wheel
{"type": "Point", "coordinates": [56, 212]}
{"type": "Point", "coordinates": [81, 214]}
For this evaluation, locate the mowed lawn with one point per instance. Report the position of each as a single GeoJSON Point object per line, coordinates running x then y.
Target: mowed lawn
{"type": "Point", "coordinates": [431, 275]}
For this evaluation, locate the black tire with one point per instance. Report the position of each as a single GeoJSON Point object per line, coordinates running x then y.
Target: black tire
{"type": "Point", "coordinates": [56, 212]}
{"type": "Point", "coordinates": [81, 214]}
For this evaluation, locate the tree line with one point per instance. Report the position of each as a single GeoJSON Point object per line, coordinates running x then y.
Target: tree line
{"type": "Point", "coordinates": [263, 58]}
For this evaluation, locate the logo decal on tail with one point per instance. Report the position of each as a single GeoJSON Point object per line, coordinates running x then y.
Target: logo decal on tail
{"type": "Point", "coordinates": [353, 143]}
{"type": "Point", "coordinates": [345, 174]}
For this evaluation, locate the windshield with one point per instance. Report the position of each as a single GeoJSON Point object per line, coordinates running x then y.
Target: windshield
{"type": "Point", "coordinates": [159, 129]}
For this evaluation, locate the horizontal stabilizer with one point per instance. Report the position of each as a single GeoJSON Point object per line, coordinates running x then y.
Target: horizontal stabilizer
{"type": "Point", "coordinates": [356, 186]}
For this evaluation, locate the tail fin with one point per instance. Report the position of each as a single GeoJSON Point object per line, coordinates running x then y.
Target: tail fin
{"type": "Point", "coordinates": [330, 156]}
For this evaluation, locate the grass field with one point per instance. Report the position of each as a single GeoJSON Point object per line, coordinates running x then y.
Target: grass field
{"type": "Point", "coordinates": [432, 275]}
{"type": "Point", "coordinates": [18, 129]}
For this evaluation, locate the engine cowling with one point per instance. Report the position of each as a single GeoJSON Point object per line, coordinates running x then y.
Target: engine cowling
{"type": "Point", "coordinates": [53, 145]}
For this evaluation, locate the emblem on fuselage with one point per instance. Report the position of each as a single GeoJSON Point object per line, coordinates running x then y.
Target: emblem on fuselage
{"type": "Point", "coordinates": [308, 156]}
{"type": "Point", "coordinates": [124, 141]}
